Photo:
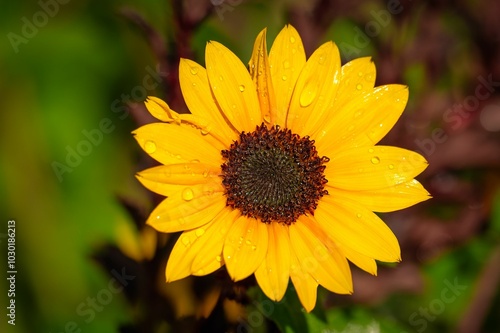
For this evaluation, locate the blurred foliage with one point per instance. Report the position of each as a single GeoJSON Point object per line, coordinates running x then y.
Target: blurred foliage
{"type": "Point", "coordinates": [75, 235]}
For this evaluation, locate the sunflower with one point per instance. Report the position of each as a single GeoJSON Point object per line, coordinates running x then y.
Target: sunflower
{"type": "Point", "coordinates": [277, 172]}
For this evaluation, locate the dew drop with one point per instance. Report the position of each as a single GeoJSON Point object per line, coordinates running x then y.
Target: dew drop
{"type": "Point", "coordinates": [149, 147]}
{"type": "Point", "coordinates": [205, 130]}
{"type": "Point", "coordinates": [199, 232]}
{"type": "Point", "coordinates": [284, 77]}
{"type": "Point", "coordinates": [200, 272]}
{"type": "Point", "coordinates": [221, 78]}
{"type": "Point", "coordinates": [375, 160]}
{"type": "Point", "coordinates": [254, 247]}
{"type": "Point", "coordinates": [286, 64]}
{"type": "Point", "coordinates": [205, 174]}
{"type": "Point", "coordinates": [321, 59]}
{"type": "Point", "coordinates": [194, 70]}
{"type": "Point", "coordinates": [185, 240]}
{"type": "Point", "coordinates": [242, 88]}
{"type": "Point", "coordinates": [360, 74]}
{"type": "Point", "coordinates": [370, 150]}
{"type": "Point", "coordinates": [218, 258]}
{"type": "Point", "coordinates": [358, 114]}
{"type": "Point", "coordinates": [187, 194]}
{"type": "Point", "coordinates": [359, 215]}
{"type": "Point", "coordinates": [267, 118]}
{"type": "Point", "coordinates": [292, 40]}
{"type": "Point", "coordinates": [307, 96]}
{"type": "Point", "coordinates": [248, 242]}
{"type": "Point", "coordinates": [359, 86]}
{"type": "Point", "coordinates": [391, 166]}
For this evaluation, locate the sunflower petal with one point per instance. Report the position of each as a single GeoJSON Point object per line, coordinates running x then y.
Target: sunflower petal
{"type": "Point", "coordinates": [315, 90]}
{"type": "Point", "coordinates": [274, 272]}
{"type": "Point", "coordinates": [232, 87]}
{"type": "Point", "coordinates": [160, 110]}
{"type": "Point", "coordinates": [352, 225]}
{"type": "Point", "coordinates": [245, 247]}
{"type": "Point", "coordinates": [171, 144]}
{"type": "Point", "coordinates": [199, 99]}
{"type": "Point", "coordinates": [192, 246]}
{"type": "Point", "coordinates": [209, 248]}
{"type": "Point", "coordinates": [304, 284]}
{"type": "Point", "coordinates": [261, 75]}
{"type": "Point", "coordinates": [370, 116]}
{"type": "Point", "coordinates": [190, 207]}
{"type": "Point", "coordinates": [373, 168]}
{"type": "Point", "coordinates": [387, 199]}
{"type": "Point", "coordinates": [328, 268]}
{"type": "Point", "coordinates": [366, 263]}
{"type": "Point", "coordinates": [286, 60]}
{"type": "Point", "coordinates": [164, 179]}
{"type": "Point", "coordinates": [357, 78]}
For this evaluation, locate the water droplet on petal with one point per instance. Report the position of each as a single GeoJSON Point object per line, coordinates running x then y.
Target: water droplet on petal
{"type": "Point", "coordinates": [359, 86]}
{"type": "Point", "coordinates": [375, 160]}
{"type": "Point", "coordinates": [149, 147]}
{"type": "Point", "coordinates": [307, 96]}
{"type": "Point", "coordinates": [187, 194]}
{"type": "Point", "coordinates": [321, 59]}
{"type": "Point", "coordinates": [194, 70]}
{"type": "Point", "coordinates": [286, 64]}
{"type": "Point", "coordinates": [292, 40]}
{"type": "Point", "coordinates": [359, 215]}
{"type": "Point", "coordinates": [185, 240]}
{"type": "Point", "coordinates": [267, 118]}
{"type": "Point", "coordinates": [242, 88]}
{"type": "Point", "coordinates": [284, 77]}
{"type": "Point", "coordinates": [218, 258]}
{"type": "Point", "coordinates": [360, 74]}
{"type": "Point", "coordinates": [199, 232]}
{"type": "Point", "coordinates": [205, 130]}
{"type": "Point", "coordinates": [205, 173]}
{"type": "Point", "coordinates": [248, 242]}
{"type": "Point", "coordinates": [370, 150]}
{"type": "Point", "coordinates": [254, 247]}
{"type": "Point", "coordinates": [358, 114]}
{"type": "Point", "coordinates": [391, 166]}
{"type": "Point", "coordinates": [221, 78]}
{"type": "Point", "coordinates": [201, 272]}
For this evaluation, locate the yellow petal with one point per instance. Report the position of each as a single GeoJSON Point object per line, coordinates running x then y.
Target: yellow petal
{"type": "Point", "coordinates": [372, 168]}
{"type": "Point", "coordinates": [329, 268]}
{"type": "Point", "coordinates": [245, 247]}
{"type": "Point", "coordinates": [364, 262]}
{"type": "Point", "coordinates": [210, 251]}
{"type": "Point", "coordinates": [386, 199]}
{"type": "Point", "coordinates": [192, 206]}
{"type": "Point", "coordinates": [351, 224]}
{"type": "Point", "coordinates": [315, 90]}
{"type": "Point", "coordinates": [286, 59]}
{"type": "Point", "coordinates": [232, 87]}
{"type": "Point", "coordinates": [357, 78]}
{"type": "Point", "coordinates": [191, 245]}
{"type": "Point", "coordinates": [160, 110]}
{"type": "Point", "coordinates": [304, 284]}
{"type": "Point", "coordinates": [261, 76]}
{"type": "Point", "coordinates": [364, 120]}
{"type": "Point", "coordinates": [274, 272]}
{"type": "Point", "coordinates": [172, 144]}
{"type": "Point", "coordinates": [199, 99]}
{"type": "Point", "coordinates": [164, 179]}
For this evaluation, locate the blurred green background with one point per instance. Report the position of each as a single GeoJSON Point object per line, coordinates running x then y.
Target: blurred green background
{"type": "Point", "coordinates": [72, 76]}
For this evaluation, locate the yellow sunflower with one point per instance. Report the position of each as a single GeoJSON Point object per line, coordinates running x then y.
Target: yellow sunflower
{"type": "Point", "coordinates": [276, 171]}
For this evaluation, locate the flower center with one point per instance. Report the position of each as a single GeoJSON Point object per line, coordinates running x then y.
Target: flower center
{"type": "Point", "coordinates": [273, 175]}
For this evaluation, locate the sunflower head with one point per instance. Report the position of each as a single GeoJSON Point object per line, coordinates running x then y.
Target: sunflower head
{"type": "Point", "coordinates": [277, 172]}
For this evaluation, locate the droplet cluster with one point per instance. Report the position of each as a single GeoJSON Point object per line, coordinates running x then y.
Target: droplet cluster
{"type": "Point", "coordinates": [273, 175]}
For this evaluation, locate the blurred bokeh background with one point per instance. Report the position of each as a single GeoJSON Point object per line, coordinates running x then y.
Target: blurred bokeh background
{"type": "Point", "coordinates": [72, 78]}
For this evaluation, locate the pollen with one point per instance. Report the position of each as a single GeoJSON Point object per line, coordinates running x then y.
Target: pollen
{"type": "Point", "coordinates": [273, 175]}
